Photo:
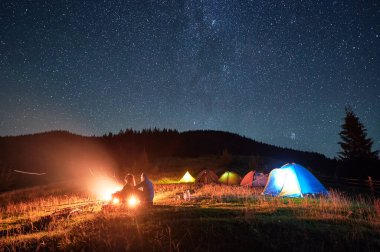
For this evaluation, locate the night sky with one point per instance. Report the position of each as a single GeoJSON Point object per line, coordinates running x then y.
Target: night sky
{"type": "Point", "coordinates": [275, 71]}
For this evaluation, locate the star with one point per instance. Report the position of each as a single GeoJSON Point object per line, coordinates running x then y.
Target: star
{"type": "Point", "coordinates": [261, 70]}
{"type": "Point", "coordinates": [293, 136]}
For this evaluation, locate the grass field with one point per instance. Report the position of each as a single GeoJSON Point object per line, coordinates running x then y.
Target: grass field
{"type": "Point", "coordinates": [216, 218]}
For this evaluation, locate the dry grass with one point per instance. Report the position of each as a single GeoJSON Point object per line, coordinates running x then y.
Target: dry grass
{"type": "Point", "coordinates": [25, 221]}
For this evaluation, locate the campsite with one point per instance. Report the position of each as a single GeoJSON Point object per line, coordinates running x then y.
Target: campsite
{"type": "Point", "coordinates": [194, 208]}
{"type": "Point", "coordinates": [206, 198]}
{"type": "Point", "coordinates": [216, 217]}
{"type": "Point", "coordinates": [189, 125]}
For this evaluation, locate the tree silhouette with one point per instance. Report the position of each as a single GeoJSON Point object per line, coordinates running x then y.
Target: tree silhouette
{"type": "Point", "coordinates": [133, 151]}
{"type": "Point", "coordinates": [356, 148]}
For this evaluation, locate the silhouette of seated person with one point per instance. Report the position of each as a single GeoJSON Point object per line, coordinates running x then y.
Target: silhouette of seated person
{"type": "Point", "coordinates": [128, 189]}
{"type": "Point", "coordinates": [145, 190]}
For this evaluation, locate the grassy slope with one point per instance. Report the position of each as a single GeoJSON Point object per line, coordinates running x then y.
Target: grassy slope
{"type": "Point", "coordinates": [218, 218]}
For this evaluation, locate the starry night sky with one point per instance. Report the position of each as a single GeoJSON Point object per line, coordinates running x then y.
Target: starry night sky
{"type": "Point", "coordinates": [276, 71]}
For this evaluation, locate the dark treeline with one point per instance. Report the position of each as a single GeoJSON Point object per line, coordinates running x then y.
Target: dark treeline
{"type": "Point", "coordinates": [61, 153]}
{"type": "Point", "coordinates": [64, 155]}
{"type": "Point", "coordinates": [129, 144]}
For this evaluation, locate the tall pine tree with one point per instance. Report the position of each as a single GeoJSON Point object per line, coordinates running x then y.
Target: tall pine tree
{"type": "Point", "coordinates": [356, 148]}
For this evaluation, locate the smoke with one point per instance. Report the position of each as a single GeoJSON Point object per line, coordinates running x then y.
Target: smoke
{"type": "Point", "coordinates": [60, 156]}
{"type": "Point", "coordinates": [95, 167]}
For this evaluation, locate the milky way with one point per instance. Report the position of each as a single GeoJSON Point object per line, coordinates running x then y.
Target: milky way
{"type": "Point", "coordinates": [273, 71]}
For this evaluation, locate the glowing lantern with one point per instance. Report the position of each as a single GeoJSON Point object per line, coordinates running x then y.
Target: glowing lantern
{"type": "Point", "coordinates": [187, 178]}
{"type": "Point", "coordinates": [133, 201]}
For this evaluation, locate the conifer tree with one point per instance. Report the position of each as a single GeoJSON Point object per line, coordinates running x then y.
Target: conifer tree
{"type": "Point", "coordinates": [356, 155]}
{"type": "Point", "coordinates": [355, 144]}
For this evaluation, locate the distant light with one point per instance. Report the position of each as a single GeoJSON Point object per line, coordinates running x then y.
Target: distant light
{"type": "Point", "coordinates": [293, 136]}
{"type": "Point", "coordinates": [115, 201]}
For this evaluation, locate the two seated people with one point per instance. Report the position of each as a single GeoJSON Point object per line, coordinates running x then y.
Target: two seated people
{"type": "Point", "coordinates": [144, 191]}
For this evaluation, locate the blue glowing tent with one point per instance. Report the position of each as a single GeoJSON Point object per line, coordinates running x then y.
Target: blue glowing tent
{"type": "Point", "coordinates": [292, 180]}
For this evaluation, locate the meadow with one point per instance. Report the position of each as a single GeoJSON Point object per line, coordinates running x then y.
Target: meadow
{"type": "Point", "coordinates": [61, 217]}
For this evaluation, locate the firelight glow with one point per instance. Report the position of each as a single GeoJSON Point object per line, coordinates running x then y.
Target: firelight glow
{"type": "Point", "coordinates": [104, 187]}
{"type": "Point", "coordinates": [115, 201]}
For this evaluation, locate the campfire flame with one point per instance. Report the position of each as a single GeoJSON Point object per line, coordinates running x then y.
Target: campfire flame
{"type": "Point", "coordinates": [104, 187]}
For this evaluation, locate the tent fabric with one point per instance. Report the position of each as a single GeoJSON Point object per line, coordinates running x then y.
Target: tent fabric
{"type": "Point", "coordinates": [293, 180]}
{"type": "Point", "coordinates": [187, 178]}
{"type": "Point", "coordinates": [261, 179]}
{"type": "Point", "coordinates": [230, 178]}
{"type": "Point", "coordinates": [254, 179]}
{"type": "Point", "coordinates": [207, 177]}
{"type": "Point", "coordinates": [248, 179]}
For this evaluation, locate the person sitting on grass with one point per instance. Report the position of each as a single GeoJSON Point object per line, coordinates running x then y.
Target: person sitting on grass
{"type": "Point", "coordinates": [127, 190]}
{"type": "Point", "coordinates": [146, 192]}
